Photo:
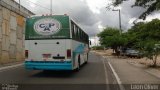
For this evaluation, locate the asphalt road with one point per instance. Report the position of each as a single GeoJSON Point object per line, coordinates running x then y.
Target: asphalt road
{"type": "Point", "coordinates": [101, 73]}
{"type": "Point", "coordinates": [96, 75]}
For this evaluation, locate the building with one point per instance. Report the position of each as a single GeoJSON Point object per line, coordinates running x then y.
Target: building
{"type": "Point", "coordinates": [12, 25]}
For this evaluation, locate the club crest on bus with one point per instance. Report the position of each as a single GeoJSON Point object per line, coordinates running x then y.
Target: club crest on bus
{"type": "Point", "coordinates": [47, 26]}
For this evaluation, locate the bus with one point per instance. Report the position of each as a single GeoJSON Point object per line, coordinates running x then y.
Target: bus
{"type": "Point", "coordinates": [55, 42]}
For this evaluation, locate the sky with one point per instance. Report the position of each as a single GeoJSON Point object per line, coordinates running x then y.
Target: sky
{"type": "Point", "coordinates": [91, 15]}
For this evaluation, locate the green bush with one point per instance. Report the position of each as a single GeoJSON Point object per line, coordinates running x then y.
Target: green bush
{"type": "Point", "coordinates": [97, 47]}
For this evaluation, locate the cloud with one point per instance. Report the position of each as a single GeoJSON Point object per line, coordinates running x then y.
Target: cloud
{"type": "Point", "coordinates": [96, 5]}
{"type": "Point", "coordinates": [91, 15]}
{"type": "Point", "coordinates": [111, 18]}
{"type": "Point", "coordinates": [154, 15]}
{"type": "Point", "coordinates": [77, 9]}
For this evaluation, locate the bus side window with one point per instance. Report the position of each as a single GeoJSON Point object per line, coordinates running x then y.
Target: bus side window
{"type": "Point", "coordinates": [73, 30]}
{"type": "Point", "coordinates": [77, 33]}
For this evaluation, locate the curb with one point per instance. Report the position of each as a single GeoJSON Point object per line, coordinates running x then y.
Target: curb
{"type": "Point", "coordinates": [11, 66]}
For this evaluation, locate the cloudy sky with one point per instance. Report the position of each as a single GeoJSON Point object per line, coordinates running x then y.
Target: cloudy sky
{"type": "Point", "coordinates": [91, 15]}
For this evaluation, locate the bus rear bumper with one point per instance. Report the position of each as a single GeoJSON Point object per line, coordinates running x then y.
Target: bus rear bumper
{"type": "Point", "coordinates": [51, 65]}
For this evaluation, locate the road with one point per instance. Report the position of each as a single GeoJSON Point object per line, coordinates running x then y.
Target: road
{"type": "Point", "coordinates": [99, 74]}
{"type": "Point", "coordinates": [91, 75]}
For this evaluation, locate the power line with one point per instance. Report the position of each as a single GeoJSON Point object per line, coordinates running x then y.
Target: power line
{"type": "Point", "coordinates": [51, 7]}
{"type": "Point", "coordinates": [27, 5]}
{"type": "Point", "coordinates": [38, 5]}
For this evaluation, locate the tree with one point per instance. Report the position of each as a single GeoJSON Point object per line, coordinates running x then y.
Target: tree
{"type": "Point", "coordinates": [110, 37]}
{"type": "Point", "coordinates": [150, 5]}
{"type": "Point", "coordinates": [145, 37]}
{"type": "Point", "coordinates": [152, 51]}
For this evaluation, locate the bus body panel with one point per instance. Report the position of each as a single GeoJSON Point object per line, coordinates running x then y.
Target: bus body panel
{"type": "Point", "coordinates": [38, 48]}
{"type": "Point", "coordinates": [57, 51]}
{"type": "Point", "coordinates": [58, 54]}
{"type": "Point", "coordinates": [79, 49]}
{"type": "Point", "coordinates": [35, 27]}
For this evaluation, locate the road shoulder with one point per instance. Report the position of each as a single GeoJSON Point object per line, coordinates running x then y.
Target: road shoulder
{"type": "Point", "coordinates": [131, 73]}
{"type": "Point", "coordinates": [11, 65]}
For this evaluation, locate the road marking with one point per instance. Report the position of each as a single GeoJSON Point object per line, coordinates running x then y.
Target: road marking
{"type": "Point", "coordinates": [8, 67]}
{"type": "Point", "coordinates": [105, 71]}
{"type": "Point", "coordinates": [117, 78]}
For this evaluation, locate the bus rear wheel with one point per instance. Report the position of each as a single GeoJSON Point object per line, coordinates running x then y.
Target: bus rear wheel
{"type": "Point", "coordinates": [79, 63]}
{"type": "Point", "coordinates": [87, 59]}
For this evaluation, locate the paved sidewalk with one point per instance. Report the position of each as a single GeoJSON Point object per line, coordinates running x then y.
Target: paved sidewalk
{"type": "Point", "coordinates": [153, 71]}
{"type": "Point", "coordinates": [130, 74]}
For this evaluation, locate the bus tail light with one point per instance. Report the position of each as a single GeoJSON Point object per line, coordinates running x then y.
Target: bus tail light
{"type": "Point", "coordinates": [46, 55]}
{"type": "Point", "coordinates": [26, 53]}
{"type": "Point", "coordinates": [68, 53]}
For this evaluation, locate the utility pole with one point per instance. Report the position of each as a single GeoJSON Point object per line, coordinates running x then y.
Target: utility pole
{"type": "Point", "coordinates": [120, 26]}
{"type": "Point", "coordinates": [51, 7]}
{"type": "Point", "coordinates": [19, 5]}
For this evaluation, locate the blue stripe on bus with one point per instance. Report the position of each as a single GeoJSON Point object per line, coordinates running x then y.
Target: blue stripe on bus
{"type": "Point", "coordinates": [79, 49]}
{"type": "Point", "coordinates": [48, 65]}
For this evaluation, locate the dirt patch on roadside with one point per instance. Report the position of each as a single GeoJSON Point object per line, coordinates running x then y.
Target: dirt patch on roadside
{"type": "Point", "coordinates": [142, 61]}
{"type": "Point", "coordinates": [104, 52]}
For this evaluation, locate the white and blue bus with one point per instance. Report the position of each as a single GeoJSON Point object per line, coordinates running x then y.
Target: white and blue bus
{"type": "Point", "coordinates": [55, 42]}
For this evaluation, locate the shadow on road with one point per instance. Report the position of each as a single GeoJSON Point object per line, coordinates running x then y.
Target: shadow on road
{"type": "Point", "coordinates": [58, 74]}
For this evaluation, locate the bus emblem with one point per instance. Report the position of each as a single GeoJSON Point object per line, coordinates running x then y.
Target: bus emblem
{"type": "Point", "coordinates": [47, 26]}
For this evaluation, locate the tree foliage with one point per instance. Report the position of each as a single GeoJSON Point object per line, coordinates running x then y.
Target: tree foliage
{"type": "Point", "coordinates": [144, 36]}
{"type": "Point", "coordinates": [110, 37]}
{"type": "Point", "coordinates": [142, 32]}
{"type": "Point", "coordinates": [150, 5]}
{"type": "Point", "coordinates": [98, 48]}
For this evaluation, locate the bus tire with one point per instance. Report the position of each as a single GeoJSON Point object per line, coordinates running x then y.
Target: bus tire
{"type": "Point", "coordinates": [87, 59]}
{"type": "Point", "coordinates": [79, 63]}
